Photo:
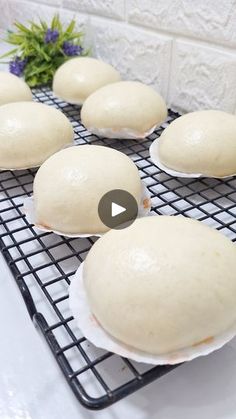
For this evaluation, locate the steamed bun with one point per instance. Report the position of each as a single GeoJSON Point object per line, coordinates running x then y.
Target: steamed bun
{"type": "Point", "coordinates": [126, 109]}
{"type": "Point", "coordinates": [84, 174]}
{"type": "Point", "coordinates": [76, 79]}
{"type": "Point", "coordinates": [13, 89]}
{"type": "Point", "coordinates": [200, 142]}
{"type": "Point", "coordinates": [163, 284]}
{"type": "Point", "coordinates": [30, 132]}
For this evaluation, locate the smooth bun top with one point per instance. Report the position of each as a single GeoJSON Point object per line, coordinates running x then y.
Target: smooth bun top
{"type": "Point", "coordinates": [13, 89]}
{"type": "Point", "coordinates": [126, 104]}
{"type": "Point", "coordinates": [79, 77]}
{"type": "Point", "coordinates": [200, 142]}
{"type": "Point", "coordinates": [84, 174]}
{"type": "Point", "coordinates": [163, 284]}
{"type": "Point", "coordinates": [30, 132]}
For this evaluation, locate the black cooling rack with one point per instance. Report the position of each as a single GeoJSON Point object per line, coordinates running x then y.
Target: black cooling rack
{"type": "Point", "coordinates": [44, 263]}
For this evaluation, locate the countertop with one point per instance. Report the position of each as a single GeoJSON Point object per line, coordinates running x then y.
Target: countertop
{"type": "Point", "coordinates": [32, 386]}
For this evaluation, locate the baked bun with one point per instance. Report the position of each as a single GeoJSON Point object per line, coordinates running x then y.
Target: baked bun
{"type": "Point", "coordinates": [30, 132]}
{"type": "Point", "coordinates": [201, 142]}
{"type": "Point", "coordinates": [163, 284]}
{"type": "Point", "coordinates": [13, 89]}
{"type": "Point", "coordinates": [84, 174]}
{"type": "Point", "coordinates": [126, 109]}
{"type": "Point", "coordinates": [77, 78]}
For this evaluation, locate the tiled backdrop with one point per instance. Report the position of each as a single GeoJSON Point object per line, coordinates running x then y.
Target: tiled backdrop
{"type": "Point", "coordinates": [186, 49]}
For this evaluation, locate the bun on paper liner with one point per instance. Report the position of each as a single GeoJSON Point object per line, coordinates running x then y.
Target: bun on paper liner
{"type": "Point", "coordinates": [155, 158]}
{"type": "Point", "coordinates": [13, 89]}
{"type": "Point", "coordinates": [126, 109]}
{"type": "Point", "coordinates": [29, 209]}
{"type": "Point", "coordinates": [30, 132]}
{"type": "Point", "coordinates": [79, 77]}
{"type": "Point", "coordinates": [171, 278]}
{"type": "Point", "coordinates": [85, 174]}
{"type": "Point", "coordinates": [201, 143]}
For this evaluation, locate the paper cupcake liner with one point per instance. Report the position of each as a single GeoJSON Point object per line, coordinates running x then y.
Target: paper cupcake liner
{"type": "Point", "coordinates": [95, 333]}
{"type": "Point", "coordinates": [123, 134]}
{"type": "Point", "coordinates": [154, 155]}
{"type": "Point", "coordinates": [29, 210]}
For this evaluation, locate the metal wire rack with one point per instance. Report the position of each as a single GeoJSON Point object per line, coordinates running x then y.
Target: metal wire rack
{"type": "Point", "coordinates": [43, 263]}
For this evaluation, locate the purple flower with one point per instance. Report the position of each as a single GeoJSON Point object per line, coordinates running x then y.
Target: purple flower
{"type": "Point", "coordinates": [71, 49]}
{"type": "Point", "coordinates": [17, 66]}
{"type": "Point", "coordinates": [51, 36]}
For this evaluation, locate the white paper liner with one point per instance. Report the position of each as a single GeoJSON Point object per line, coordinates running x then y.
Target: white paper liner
{"type": "Point", "coordinates": [95, 333]}
{"type": "Point", "coordinates": [154, 155]}
{"type": "Point", "coordinates": [123, 134]}
{"type": "Point", "coordinates": [29, 210]}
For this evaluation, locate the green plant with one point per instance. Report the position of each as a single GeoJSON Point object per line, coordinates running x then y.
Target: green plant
{"type": "Point", "coordinates": [40, 49]}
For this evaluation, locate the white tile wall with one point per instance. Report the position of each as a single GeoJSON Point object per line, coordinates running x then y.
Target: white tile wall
{"type": "Point", "coordinates": [186, 49]}
{"type": "Point", "coordinates": [110, 8]}
{"type": "Point", "coordinates": [211, 20]}
{"type": "Point", "coordinates": [137, 54]}
{"type": "Point", "coordinates": [202, 77]}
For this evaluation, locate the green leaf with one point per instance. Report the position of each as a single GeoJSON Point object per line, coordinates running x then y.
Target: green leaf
{"type": "Point", "coordinates": [12, 52]}
{"type": "Point", "coordinates": [39, 70]}
{"type": "Point", "coordinates": [21, 27]}
{"type": "Point", "coordinates": [34, 26]}
{"type": "Point", "coordinates": [15, 39]}
{"type": "Point", "coordinates": [56, 24]}
{"type": "Point", "coordinates": [87, 52]}
{"type": "Point", "coordinates": [70, 27]}
{"type": "Point", "coordinates": [32, 81]}
{"type": "Point", "coordinates": [43, 25]}
{"type": "Point", "coordinates": [77, 35]}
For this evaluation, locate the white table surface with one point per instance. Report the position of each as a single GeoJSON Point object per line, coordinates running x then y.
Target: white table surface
{"type": "Point", "coordinates": [32, 386]}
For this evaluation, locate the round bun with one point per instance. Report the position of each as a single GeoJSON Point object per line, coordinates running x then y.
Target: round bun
{"type": "Point", "coordinates": [13, 89]}
{"type": "Point", "coordinates": [30, 132]}
{"type": "Point", "coordinates": [122, 107]}
{"type": "Point", "coordinates": [84, 173]}
{"type": "Point", "coordinates": [163, 284]}
{"type": "Point", "coordinates": [200, 142]}
{"type": "Point", "coordinates": [76, 79]}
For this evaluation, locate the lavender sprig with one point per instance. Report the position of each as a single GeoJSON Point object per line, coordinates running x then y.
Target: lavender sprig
{"type": "Point", "coordinates": [17, 66]}
{"type": "Point", "coordinates": [51, 36]}
{"type": "Point", "coordinates": [71, 50]}
{"type": "Point", "coordinates": [39, 49]}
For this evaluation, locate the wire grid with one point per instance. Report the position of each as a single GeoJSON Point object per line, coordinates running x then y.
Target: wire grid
{"type": "Point", "coordinates": [43, 263]}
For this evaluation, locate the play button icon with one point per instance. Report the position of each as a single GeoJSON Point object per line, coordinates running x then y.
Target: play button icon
{"type": "Point", "coordinates": [118, 209]}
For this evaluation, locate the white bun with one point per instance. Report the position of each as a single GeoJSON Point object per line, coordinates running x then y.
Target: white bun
{"type": "Point", "coordinates": [30, 132]}
{"type": "Point", "coordinates": [76, 79]}
{"type": "Point", "coordinates": [123, 107]}
{"type": "Point", "coordinates": [162, 284]}
{"type": "Point", "coordinates": [200, 142]}
{"type": "Point", "coordinates": [84, 173]}
{"type": "Point", "coordinates": [13, 89]}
